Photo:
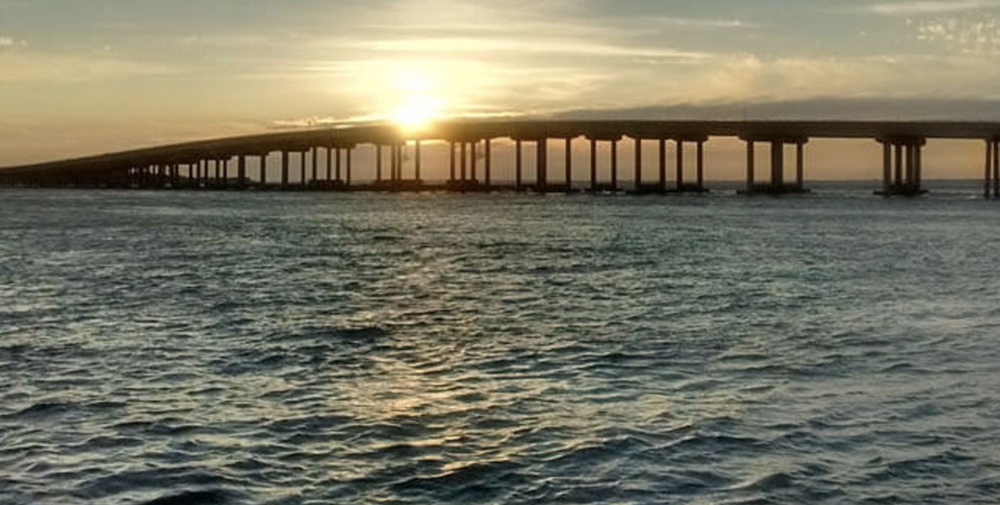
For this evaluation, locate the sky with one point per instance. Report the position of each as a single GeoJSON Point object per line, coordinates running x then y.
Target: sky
{"type": "Point", "coordinates": [88, 76]}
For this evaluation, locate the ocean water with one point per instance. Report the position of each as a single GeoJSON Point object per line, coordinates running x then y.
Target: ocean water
{"type": "Point", "coordinates": [248, 348]}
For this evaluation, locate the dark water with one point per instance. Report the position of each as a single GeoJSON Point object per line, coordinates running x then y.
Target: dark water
{"type": "Point", "coordinates": [294, 349]}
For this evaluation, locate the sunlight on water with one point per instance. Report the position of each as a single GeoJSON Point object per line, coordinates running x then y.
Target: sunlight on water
{"type": "Point", "coordinates": [312, 348]}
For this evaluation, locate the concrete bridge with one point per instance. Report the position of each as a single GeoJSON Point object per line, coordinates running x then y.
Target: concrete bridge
{"type": "Point", "coordinates": [323, 157]}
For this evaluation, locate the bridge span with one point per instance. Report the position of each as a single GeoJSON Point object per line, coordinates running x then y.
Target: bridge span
{"type": "Point", "coordinates": [323, 157]}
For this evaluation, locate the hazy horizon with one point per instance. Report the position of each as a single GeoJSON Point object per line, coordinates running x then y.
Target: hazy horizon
{"type": "Point", "coordinates": [81, 79]}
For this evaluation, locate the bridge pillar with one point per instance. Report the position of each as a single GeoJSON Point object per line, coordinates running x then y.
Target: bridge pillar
{"type": "Point", "coordinates": [473, 162]}
{"type": "Point", "coordinates": [777, 185]}
{"type": "Point", "coordinates": [378, 162]}
{"type": "Point", "coordinates": [886, 168]}
{"type": "Point", "coordinates": [800, 165]}
{"type": "Point", "coordinates": [569, 165]}
{"type": "Point", "coordinates": [680, 165]}
{"type": "Point", "coordinates": [302, 169]}
{"type": "Point", "coordinates": [241, 170]}
{"type": "Point", "coordinates": [777, 164]}
{"type": "Point", "coordinates": [284, 169]}
{"type": "Point", "coordinates": [701, 166]}
{"type": "Point", "coordinates": [393, 163]}
{"type": "Point", "coordinates": [593, 164]}
{"type": "Point", "coordinates": [315, 165]}
{"type": "Point", "coordinates": [263, 171]}
{"type": "Point", "coordinates": [637, 177]}
{"type": "Point", "coordinates": [329, 163]}
{"type": "Point", "coordinates": [338, 173]}
{"type": "Point", "coordinates": [542, 164]}
{"type": "Point", "coordinates": [489, 163]}
{"type": "Point", "coordinates": [463, 171]}
{"type": "Point", "coordinates": [902, 166]}
{"type": "Point", "coordinates": [349, 154]}
{"type": "Point", "coordinates": [614, 165]}
{"type": "Point", "coordinates": [416, 160]}
{"type": "Point", "coordinates": [996, 168]}
{"type": "Point", "coordinates": [225, 172]}
{"type": "Point", "coordinates": [518, 165]}
{"type": "Point", "coordinates": [451, 176]}
{"type": "Point", "coordinates": [663, 166]}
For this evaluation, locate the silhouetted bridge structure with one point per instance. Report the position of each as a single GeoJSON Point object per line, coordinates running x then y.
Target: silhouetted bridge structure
{"type": "Point", "coordinates": [323, 157]}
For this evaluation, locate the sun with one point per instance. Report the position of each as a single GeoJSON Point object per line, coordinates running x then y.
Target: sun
{"type": "Point", "coordinates": [417, 113]}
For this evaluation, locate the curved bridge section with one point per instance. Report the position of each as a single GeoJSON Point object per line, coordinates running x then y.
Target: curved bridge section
{"type": "Point", "coordinates": [323, 157]}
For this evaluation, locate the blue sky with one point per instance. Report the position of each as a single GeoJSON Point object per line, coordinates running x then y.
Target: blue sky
{"type": "Point", "coordinates": [80, 76]}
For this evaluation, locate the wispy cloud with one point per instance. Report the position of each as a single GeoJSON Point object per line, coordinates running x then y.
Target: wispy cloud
{"type": "Point", "coordinates": [8, 42]}
{"type": "Point", "coordinates": [931, 7]}
{"type": "Point", "coordinates": [31, 66]}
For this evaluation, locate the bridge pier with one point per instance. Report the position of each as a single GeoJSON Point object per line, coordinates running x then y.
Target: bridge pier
{"type": "Point", "coordinates": [451, 176]}
{"type": "Point", "coordinates": [777, 184]}
{"type": "Point", "coordinates": [680, 184]}
{"type": "Point", "coordinates": [263, 171]}
{"type": "Point", "coordinates": [302, 169]}
{"type": "Point", "coordinates": [902, 166]}
{"type": "Point", "coordinates": [518, 165]}
{"type": "Point", "coordinates": [284, 170]}
{"type": "Point", "coordinates": [416, 161]}
{"type": "Point", "coordinates": [569, 165]}
{"type": "Point", "coordinates": [614, 165]}
{"type": "Point", "coordinates": [992, 172]}
{"type": "Point", "coordinates": [488, 168]}
{"type": "Point", "coordinates": [542, 165]}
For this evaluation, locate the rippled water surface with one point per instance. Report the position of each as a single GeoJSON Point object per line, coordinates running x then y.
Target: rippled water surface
{"type": "Point", "coordinates": [297, 348]}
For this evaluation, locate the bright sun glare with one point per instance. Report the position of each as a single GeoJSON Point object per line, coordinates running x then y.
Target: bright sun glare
{"type": "Point", "coordinates": [416, 113]}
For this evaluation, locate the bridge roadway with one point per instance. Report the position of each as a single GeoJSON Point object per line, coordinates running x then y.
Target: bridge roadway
{"type": "Point", "coordinates": [189, 165]}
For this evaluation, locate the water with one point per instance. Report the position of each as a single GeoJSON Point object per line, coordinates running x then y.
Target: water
{"type": "Point", "coordinates": [306, 348]}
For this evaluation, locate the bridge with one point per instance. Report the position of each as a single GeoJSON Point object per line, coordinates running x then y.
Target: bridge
{"type": "Point", "coordinates": [323, 157]}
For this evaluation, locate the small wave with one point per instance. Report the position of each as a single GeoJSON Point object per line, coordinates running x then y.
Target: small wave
{"type": "Point", "coordinates": [192, 498]}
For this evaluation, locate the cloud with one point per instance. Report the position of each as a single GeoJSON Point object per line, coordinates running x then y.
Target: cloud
{"type": "Point", "coordinates": [7, 42]}
{"type": "Point", "coordinates": [931, 7]}
{"type": "Point", "coordinates": [976, 35]}
{"type": "Point", "coordinates": [41, 67]}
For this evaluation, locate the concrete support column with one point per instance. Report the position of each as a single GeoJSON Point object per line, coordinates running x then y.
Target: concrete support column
{"type": "Point", "coordinates": [918, 165]}
{"type": "Point", "coordinates": [302, 168]}
{"type": "Point", "coordinates": [488, 176]}
{"type": "Point", "coordinates": [241, 170]}
{"type": "Point", "coordinates": [350, 156]}
{"type": "Point", "coordinates": [911, 168]}
{"type": "Point", "coordinates": [393, 163]}
{"type": "Point", "coordinates": [569, 164]}
{"type": "Point", "coordinates": [216, 167]}
{"type": "Point", "coordinates": [315, 165]}
{"type": "Point", "coordinates": [899, 163]}
{"type": "Point", "coordinates": [225, 172]}
{"type": "Point", "coordinates": [464, 163]}
{"type": "Point", "coordinates": [337, 171]}
{"type": "Point", "coordinates": [988, 173]}
{"type": "Point", "coordinates": [378, 162]}
{"type": "Point", "coordinates": [451, 173]}
{"type": "Point", "coordinates": [701, 165]}
{"type": "Point", "coordinates": [886, 167]}
{"type": "Point", "coordinates": [416, 160]}
{"type": "Point", "coordinates": [996, 169]}
{"type": "Point", "coordinates": [518, 164]}
{"type": "Point", "coordinates": [680, 165]}
{"type": "Point", "coordinates": [263, 170]}
{"type": "Point", "coordinates": [777, 165]}
{"type": "Point", "coordinates": [473, 162]}
{"type": "Point", "coordinates": [593, 165]}
{"type": "Point", "coordinates": [800, 165]}
{"type": "Point", "coordinates": [614, 165]}
{"type": "Point", "coordinates": [329, 163]}
{"type": "Point", "coordinates": [284, 169]}
{"type": "Point", "coordinates": [542, 163]}
{"type": "Point", "coordinates": [638, 165]}
{"type": "Point", "coordinates": [663, 165]}
{"type": "Point", "coordinates": [750, 166]}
